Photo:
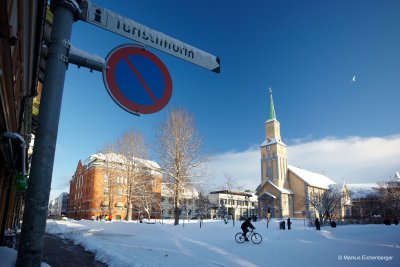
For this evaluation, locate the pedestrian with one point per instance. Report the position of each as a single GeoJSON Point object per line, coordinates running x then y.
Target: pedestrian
{"type": "Point", "coordinates": [317, 225]}
{"type": "Point", "coordinates": [110, 217]}
{"type": "Point", "coordinates": [288, 223]}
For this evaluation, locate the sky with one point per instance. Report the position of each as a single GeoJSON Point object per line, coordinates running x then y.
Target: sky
{"type": "Point", "coordinates": [307, 51]}
{"type": "Point", "coordinates": [214, 244]}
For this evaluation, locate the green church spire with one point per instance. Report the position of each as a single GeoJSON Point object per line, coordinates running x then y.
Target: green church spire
{"type": "Point", "coordinates": [271, 115]}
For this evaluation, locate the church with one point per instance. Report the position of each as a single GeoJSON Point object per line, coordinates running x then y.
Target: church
{"type": "Point", "coordinates": [284, 189]}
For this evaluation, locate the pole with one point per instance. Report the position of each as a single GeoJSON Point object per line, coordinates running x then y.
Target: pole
{"type": "Point", "coordinates": [37, 198]}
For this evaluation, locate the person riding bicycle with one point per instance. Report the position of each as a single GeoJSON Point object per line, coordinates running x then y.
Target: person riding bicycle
{"type": "Point", "coordinates": [246, 224]}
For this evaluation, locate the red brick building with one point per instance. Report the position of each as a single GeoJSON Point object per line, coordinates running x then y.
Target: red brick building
{"type": "Point", "coordinates": [102, 186]}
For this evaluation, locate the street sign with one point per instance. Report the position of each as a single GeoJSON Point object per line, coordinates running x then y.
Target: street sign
{"type": "Point", "coordinates": [126, 27]}
{"type": "Point", "coordinates": [137, 80]}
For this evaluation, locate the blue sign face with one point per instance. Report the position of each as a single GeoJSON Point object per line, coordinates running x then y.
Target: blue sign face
{"type": "Point", "coordinates": [137, 80]}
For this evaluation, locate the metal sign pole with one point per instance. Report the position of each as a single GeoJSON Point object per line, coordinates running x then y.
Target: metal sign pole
{"type": "Point", "coordinates": [37, 198]}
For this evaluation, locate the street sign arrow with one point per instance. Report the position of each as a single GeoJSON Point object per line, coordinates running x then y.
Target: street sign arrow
{"type": "Point", "coordinates": [126, 27]}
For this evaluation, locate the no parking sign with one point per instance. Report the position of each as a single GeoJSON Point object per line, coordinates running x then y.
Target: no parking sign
{"type": "Point", "coordinates": [137, 80]}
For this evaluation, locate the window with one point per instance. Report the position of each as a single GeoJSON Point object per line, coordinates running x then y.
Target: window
{"type": "Point", "coordinates": [106, 191]}
{"type": "Point", "coordinates": [119, 192]}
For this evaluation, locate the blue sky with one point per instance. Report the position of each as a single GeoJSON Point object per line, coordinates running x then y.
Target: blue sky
{"type": "Point", "coordinates": [308, 51]}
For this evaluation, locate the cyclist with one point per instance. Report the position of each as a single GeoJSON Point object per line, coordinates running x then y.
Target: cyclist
{"type": "Point", "coordinates": [246, 224]}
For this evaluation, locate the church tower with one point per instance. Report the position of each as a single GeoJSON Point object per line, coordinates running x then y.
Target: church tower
{"type": "Point", "coordinates": [273, 151]}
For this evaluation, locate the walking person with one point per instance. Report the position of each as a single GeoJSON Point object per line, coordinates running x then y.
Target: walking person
{"type": "Point", "coordinates": [289, 223]}
{"type": "Point", "coordinates": [317, 225]}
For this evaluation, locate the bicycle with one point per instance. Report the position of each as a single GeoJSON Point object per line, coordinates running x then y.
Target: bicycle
{"type": "Point", "coordinates": [256, 238]}
{"type": "Point", "coordinates": [10, 238]}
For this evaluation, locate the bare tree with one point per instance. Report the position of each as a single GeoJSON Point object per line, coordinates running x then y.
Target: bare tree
{"type": "Point", "coordinates": [133, 150]}
{"type": "Point", "coordinates": [147, 198]}
{"type": "Point", "coordinates": [111, 174]}
{"type": "Point", "coordinates": [203, 204]}
{"type": "Point", "coordinates": [326, 202]}
{"type": "Point", "coordinates": [179, 150]}
{"type": "Point", "coordinates": [389, 195]}
{"type": "Point", "coordinates": [229, 186]}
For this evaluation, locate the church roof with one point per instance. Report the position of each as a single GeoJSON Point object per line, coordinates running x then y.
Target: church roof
{"type": "Point", "coordinates": [266, 194]}
{"type": "Point", "coordinates": [271, 114]}
{"type": "Point", "coordinates": [280, 189]}
{"type": "Point", "coordinates": [312, 178]}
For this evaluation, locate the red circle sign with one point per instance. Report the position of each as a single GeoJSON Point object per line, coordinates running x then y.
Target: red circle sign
{"type": "Point", "coordinates": [137, 80]}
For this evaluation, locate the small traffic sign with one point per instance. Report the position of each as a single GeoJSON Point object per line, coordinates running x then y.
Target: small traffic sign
{"type": "Point", "coordinates": [137, 80]}
{"type": "Point", "coordinates": [303, 213]}
{"type": "Point", "coordinates": [128, 28]}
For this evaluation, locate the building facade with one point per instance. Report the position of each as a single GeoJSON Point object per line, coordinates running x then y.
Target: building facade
{"type": "Point", "coordinates": [375, 202]}
{"type": "Point", "coordinates": [235, 204]}
{"type": "Point", "coordinates": [285, 190]}
{"type": "Point", "coordinates": [188, 202]}
{"type": "Point", "coordinates": [106, 185]}
{"type": "Point", "coordinates": [58, 207]}
{"type": "Point", "coordinates": [21, 32]}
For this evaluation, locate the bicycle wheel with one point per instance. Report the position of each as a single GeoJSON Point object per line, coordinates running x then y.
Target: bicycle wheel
{"type": "Point", "coordinates": [10, 241]}
{"type": "Point", "coordinates": [256, 238]}
{"type": "Point", "coordinates": [239, 237]}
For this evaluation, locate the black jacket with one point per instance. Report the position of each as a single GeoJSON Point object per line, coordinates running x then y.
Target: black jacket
{"type": "Point", "coordinates": [247, 224]}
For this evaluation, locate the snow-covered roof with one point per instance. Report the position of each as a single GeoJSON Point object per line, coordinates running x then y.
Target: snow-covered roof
{"type": "Point", "coordinates": [280, 189]}
{"type": "Point", "coordinates": [269, 120]}
{"type": "Point", "coordinates": [188, 192]}
{"type": "Point", "coordinates": [270, 141]}
{"type": "Point", "coordinates": [361, 190]}
{"type": "Point", "coordinates": [267, 194]}
{"type": "Point", "coordinates": [312, 178]}
{"type": "Point", "coordinates": [118, 158]}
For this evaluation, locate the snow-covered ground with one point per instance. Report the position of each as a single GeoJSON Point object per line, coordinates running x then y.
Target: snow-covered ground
{"type": "Point", "coordinates": [139, 244]}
